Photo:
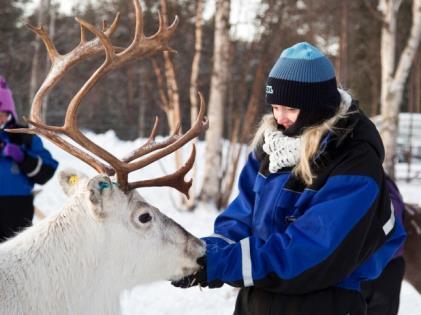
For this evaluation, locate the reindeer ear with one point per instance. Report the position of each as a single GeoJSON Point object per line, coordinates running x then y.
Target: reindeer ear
{"type": "Point", "coordinates": [99, 187]}
{"type": "Point", "coordinates": [69, 180]}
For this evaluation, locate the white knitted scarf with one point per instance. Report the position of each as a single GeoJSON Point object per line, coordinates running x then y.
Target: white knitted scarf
{"type": "Point", "coordinates": [283, 151]}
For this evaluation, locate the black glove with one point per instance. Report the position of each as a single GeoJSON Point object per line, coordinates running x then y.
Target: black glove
{"type": "Point", "coordinates": [199, 278]}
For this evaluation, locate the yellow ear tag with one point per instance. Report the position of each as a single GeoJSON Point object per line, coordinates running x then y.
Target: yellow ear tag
{"type": "Point", "coordinates": [73, 180]}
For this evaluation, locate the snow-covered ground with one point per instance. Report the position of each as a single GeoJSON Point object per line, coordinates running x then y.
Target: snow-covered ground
{"type": "Point", "coordinates": [161, 298]}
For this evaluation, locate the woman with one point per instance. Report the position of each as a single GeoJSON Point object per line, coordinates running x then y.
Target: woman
{"type": "Point", "coordinates": [313, 216]}
{"type": "Point", "coordinates": [23, 162]}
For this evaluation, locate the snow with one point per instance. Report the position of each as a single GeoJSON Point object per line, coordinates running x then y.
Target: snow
{"type": "Point", "coordinates": [160, 297]}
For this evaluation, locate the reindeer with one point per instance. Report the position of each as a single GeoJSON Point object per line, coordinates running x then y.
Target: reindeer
{"type": "Point", "coordinates": [412, 250]}
{"type": "Point", "coordinates": [81, 259]}
{"type": "Point", "coordinates": [108, 238]}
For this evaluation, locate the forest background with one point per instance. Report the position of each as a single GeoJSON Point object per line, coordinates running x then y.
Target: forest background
{"type": "Point", "coordinates": [224, 49]}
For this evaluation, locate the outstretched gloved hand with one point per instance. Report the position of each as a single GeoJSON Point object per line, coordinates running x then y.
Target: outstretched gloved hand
{"type": "Point", "coordinates": [199, 278]}
{"type": "Point", "coordinates": [14, 152]}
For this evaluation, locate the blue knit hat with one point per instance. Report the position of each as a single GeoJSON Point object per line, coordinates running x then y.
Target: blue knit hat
{"type": "Point", "coordinates": [303, 77]}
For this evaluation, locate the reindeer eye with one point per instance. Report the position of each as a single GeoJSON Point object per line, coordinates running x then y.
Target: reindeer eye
{"type": "Point", "coordinates": [145, 217]}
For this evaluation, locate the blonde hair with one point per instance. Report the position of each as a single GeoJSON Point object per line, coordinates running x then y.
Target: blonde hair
{"type": "Point", "coordinates": [310, 141]}
{"type": "Point", "coordinates": [266, 123]}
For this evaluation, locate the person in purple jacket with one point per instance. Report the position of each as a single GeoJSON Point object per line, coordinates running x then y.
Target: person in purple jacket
{"type": "Point", "coordinates": [24, 162]}
{"type": "Point", "coordinates": [383, 294]}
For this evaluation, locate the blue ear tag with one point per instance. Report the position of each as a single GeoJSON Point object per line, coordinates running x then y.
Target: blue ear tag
{"type": "Point", "coordinates": [103, 185]}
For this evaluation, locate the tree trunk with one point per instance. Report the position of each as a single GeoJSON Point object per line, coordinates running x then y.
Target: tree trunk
{"type": "Point", "coordinates": [417, 83]}
{"type": "Point", "coordinates": [196, 61]}
{"type": "Point", "coordinates": [172, 87]}
{"type": "Point", "coordinates": [218, 92]}
{"type": "Point", "coordinates": [343, 56]}
{"type": "Point", "coordinates": [194, 104]}
{"type": "Point", "coordinates": [393, 82]}
{"type": "Point", "coordinates": [129, 109]}
{"type": "Point", "coordinates": [165, 103]}
{"type": "Point", "coordinates": [51, 9]}
{"type": "Point", "coordinates": [374, 104]}
{"type": "Point", "coordinates": [230, 170]}
{"type": "Point", "coordinates": [172, 91]}
{"type": "Point", "coordinates": [35, 68]}
{"type": "Point", "coordinates": [142, 107]}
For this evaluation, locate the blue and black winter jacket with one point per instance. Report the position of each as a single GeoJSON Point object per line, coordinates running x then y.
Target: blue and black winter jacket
{"type": "Point", "coordinates": [282, 236]}
{"type": "Point", "coordinates": [38, 166]}
{"type": "Point", "coordinates": [17, 180]}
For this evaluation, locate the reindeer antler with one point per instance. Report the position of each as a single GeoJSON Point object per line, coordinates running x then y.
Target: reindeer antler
{"type": "Point", "coordinates": [151, 151]}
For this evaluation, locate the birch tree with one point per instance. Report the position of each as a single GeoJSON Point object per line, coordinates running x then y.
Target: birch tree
{"type": "Point", "coordinates": [190, 204]}
{"type": "Point", "coordinates": [196, 59]}
{"type": "Point", "coordinates": [52, 9]}
{"type": "Point", "coordinates": [343, 44]}
{"type": "Point", "coordinates": [167, 83]}
{"type": "Point", "coordinates": [395, 71]}
{"type": "Point", "coordinates": [35, 69]}
{"type": "Point", "coordinates": [217, 98]}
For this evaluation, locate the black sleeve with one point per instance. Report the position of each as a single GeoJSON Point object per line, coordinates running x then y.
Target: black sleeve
{"type": "Point", "coordinates": [36, 169]}
{"type": "Point", "coordinates": [38, 164]}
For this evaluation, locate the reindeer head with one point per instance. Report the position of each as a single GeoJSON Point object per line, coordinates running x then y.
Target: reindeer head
{"type": "Point", "coordinates": [138, 240]}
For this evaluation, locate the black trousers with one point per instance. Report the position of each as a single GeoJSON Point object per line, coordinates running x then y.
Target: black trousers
{"type": "Point", "coordinates": [16, 213]}
{"type": "Point", "coordinates": [382, 294]}
{"type": "Point", "coordinates": [331, 301]}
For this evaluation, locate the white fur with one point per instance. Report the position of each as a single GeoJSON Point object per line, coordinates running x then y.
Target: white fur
{"type": "Point", "coordinates": [80, 260]}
